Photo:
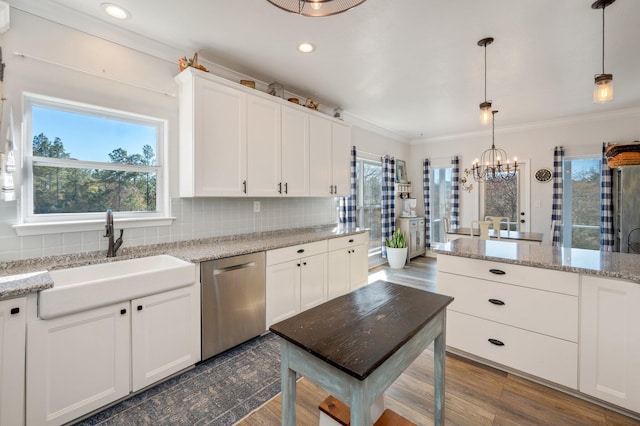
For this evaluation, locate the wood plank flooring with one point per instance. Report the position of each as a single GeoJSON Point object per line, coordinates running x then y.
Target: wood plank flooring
{"type": "Point", "coordinates": [475, 394]}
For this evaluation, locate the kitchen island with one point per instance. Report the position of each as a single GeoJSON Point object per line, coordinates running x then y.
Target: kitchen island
{"type": "Point", "coordinates": [567, 318]}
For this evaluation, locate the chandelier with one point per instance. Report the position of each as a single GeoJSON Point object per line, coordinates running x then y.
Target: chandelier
{"type": "Point", "coordinates": [603, 90]}
{"type": "Point", "coordinates": [485, 107]}
{"type": "Point", "coordinates": [494, 162]}
{"type": "Point", "coordinates": [316, 7]}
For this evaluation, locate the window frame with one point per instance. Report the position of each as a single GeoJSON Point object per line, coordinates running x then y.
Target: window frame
{"type": "Point", "coordinates": [360, 161]}
{"type": "Point", "coordinates": [35, 224]}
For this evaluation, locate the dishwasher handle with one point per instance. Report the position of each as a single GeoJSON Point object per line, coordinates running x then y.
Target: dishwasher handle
{"type": "Point", "coordinates": [217, 271]}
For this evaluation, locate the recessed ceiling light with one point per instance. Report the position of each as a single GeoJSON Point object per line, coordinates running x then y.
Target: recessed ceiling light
{"type": "Point", "coordinates": [306, 47]}
{"type": "Point", "coordinates": [115, 11]}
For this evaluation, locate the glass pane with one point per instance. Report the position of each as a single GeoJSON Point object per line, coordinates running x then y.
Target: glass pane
{"type": "Point", "coordinates": [582, 191]}
{"type": "Point", "coordinates": [440, 198]}
{"type": "Point", "coordinates": [501, 199]}
{"type": "Point", "coordinates": [64, 134]}
{"type": "Point", "coordinates": [369, 200]}
{"type": "Point", "coordinates": [71, 190]}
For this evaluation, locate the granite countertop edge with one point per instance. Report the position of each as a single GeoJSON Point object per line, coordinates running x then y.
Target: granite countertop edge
{"type": "Point", "coordinates": [611, 258]}
{"type": "Point", "coordinates": [21, 277]}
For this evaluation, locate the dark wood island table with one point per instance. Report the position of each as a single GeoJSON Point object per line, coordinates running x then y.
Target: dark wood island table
{"type": "Point", "coordinates": [355, 346]}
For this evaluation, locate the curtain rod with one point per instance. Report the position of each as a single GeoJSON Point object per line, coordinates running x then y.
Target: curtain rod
{"type": "Point", "coordinates": [95, 74]}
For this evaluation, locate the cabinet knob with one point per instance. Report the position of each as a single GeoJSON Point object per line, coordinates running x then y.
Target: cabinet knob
{"type": "Point", "coordinates": [139, 307]}
{"type": "Point", "coordinates": [298, 265]}
{"type": "Point", "coordinates": [495, 342]}
{"type": "Point", "coordinates": [496, 302]}
{"type": "Point", "coordinates": [123, 311]}
{"type": "Point", "coordinates": [304, 263]}
{"type": "Point", "coordinates": [15, 311]}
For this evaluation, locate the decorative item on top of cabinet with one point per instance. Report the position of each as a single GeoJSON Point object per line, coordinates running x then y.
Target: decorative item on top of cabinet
{"type": "Point", "coordinates": [185, 63]}
{"type": "Point", "coordinates": [248, 83]}
{"type": "Point", "coordinates": [276, 89]}
{"type": "Point", "coordinates": [311, 104]}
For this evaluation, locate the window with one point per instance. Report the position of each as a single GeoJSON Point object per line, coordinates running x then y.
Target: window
{"type": "Point", "coordinates": [502, 199]}
{"type": "Point", "coordinates": [83, 160]}
{"type": "Point", "coordinates": [440, 200]}
{"type": "Point", "coordinates": [581, 203]}
{"type": "Point", "coordinates": [369, 200]}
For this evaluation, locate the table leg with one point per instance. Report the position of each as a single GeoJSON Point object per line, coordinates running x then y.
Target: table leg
{"type": "Point", "coordinates": [288, 384]}
{"type": "Point", "coordinates": [438, 379]}
{"type": "Point", "coordinates": [360, 411]}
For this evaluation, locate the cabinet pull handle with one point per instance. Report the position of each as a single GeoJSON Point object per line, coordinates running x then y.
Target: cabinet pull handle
{"type": "Point", "coordinates": [351, 240]}
{"type": "Point", "coordinates": [244, 186]}
{"type": "Point", "coordinates": [496, 302]}
{"type": "Point", "coordinates": [279, 187]}
{"type": "Point", "coordinates": [123, 311]}
{"type": "Point", "coordinates": [335, 189]}
{"type": "Point", "coordinates": [301, 251]}
{"type": "Point", "coordinates": [139, 307]}
{"type": "Point", "coordinates": [496, 342]}
{"type": "Point", "coordinates": [331, 189]}
{"type": "Point", "coordinates": [497, 271]}
{"type": "Point", "coordinates": [286, 187]}
{"type": "Point", "coordinates": [15, 311]}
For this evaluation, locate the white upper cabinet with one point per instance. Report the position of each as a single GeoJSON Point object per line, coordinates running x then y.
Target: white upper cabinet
{"type": "Point", "coordinates": [236, 141]}
{"type": "Point", "coordinates": [263, 147]}
{"type": "Point", "coordinates": [213, 138]}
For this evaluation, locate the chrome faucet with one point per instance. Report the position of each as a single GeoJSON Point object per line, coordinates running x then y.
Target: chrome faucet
{"type": "Point", "coordinates": [113, 246]}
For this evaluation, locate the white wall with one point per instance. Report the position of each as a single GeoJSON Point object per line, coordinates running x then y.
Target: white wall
{"type": "Point", "coordinates": [532, 143]}
{"type": "Point", "coordinates": [195, 218]}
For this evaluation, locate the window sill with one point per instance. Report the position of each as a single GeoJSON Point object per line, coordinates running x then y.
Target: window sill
{"type": "Point", "coordinates": [42, 228]}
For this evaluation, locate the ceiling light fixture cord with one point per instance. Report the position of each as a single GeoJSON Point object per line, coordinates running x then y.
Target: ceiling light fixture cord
{"type": "Point", "coordinates": [603, 39]}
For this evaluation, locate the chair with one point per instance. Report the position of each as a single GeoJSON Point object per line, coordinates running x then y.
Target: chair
{"type": "Point", "coordinates": [496, 221]}
{"type": "Point", "coordinates": [483, 227]}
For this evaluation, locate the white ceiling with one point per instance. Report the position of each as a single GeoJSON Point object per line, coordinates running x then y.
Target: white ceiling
{"type": "Point", "coordinates": [410, 66]}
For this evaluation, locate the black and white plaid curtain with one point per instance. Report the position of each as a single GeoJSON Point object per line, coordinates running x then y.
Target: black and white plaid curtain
{"type": "Point", "coordinates": [606, 204]}
{"type": "Point", "coordinates": [426, 189]}
{"type": "Point", "coordinates": [347, 205]}
{"type": "Point", "coordinates": [388, 210]}
{"type": "Point", "coordinates": [556, 206]}
{"type": "Point", "coordinates": [455, 192]}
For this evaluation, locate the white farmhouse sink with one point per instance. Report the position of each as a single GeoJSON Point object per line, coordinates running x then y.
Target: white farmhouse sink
{"type": "Point", "coordinates": [87, 287]}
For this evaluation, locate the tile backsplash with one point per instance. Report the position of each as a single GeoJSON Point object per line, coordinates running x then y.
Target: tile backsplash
{"type": "Point", "coordinates": [195, 218]}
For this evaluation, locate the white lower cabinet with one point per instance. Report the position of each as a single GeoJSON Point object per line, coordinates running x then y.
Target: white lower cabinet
{"type": "Point", "coordinates": [610, 341]}
{"type": "Point", "coordinates": [348, 263]}
{"type": "Point", "coordinates": [12, 347]}
{"type": "Point", "coordinates": [79, 363]}
{"type": "Point", "coordinates": [296, 280]}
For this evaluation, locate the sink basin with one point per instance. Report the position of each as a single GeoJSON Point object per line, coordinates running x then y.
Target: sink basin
{"type": "Point", "coordinates": [87, 287]}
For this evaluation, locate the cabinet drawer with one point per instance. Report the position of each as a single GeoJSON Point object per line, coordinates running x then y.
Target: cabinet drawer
{"type": "Point", "coordinates": [348, 241]}
{"type": "Point", "coordinates": [544, 312]}
{"type": "Point", "coordinates": [532, 353]}
{"type": "Point", "coordinates": [287, 254]}
{"type": "Point", "coordinates": [526, 276]}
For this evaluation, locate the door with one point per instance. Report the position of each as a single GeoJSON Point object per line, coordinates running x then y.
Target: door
{"type": "Point", "coordinates": [12, 350]}
{"type": "Point", "coordinates": [295, 152]}
{"type": "Point", "coordinates": [320, 157]}
{"type": "Point", "coordinates": [339, 273]}
{"type": "Point", "coordinates": [164, 335]}
{"type": "Point", "coordinates": [77, 363]}
{"type": "Point", "coordinates": [220, 140]}
{"type": "Point", "coordinates": [264, 160]}
{"type": "Point", "coordinates": [359, 266]}
{"type": "Point", "coordinates": [283, 291]}
{"type": "Point", "coordinates": [508, 198]}
{"type": "Point", "coordinates": [313, 283]}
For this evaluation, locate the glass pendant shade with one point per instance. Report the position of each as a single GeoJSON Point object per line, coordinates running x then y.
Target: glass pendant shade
{"type": "Point", "coordinates": [316, 7]}
{"type": "Point", "coordinates": [603, 89]}
{"type": "Point", "coordinates": [485, 113]}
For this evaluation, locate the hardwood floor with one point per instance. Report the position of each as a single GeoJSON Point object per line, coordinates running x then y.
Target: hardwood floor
{"type": "Point", "coordinates": [475, 394]}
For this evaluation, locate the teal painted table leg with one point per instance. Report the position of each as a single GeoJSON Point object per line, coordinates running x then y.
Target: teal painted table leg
{"type": "Point", "coordinates": [360, 410]}
{"type": "Point", "coordinates": [288, 383]}
{"type": "Point", "coordinates": [438, 379]}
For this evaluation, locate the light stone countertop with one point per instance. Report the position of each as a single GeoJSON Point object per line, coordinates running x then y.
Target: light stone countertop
{"type": "Point", "coordinates": [30, 275]}
{"type": "Point", "coordinates": [591, 262]}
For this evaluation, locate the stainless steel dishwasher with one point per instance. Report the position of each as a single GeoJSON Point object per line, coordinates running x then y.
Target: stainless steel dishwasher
{"type": "Point", "coordinates": [233, 301]}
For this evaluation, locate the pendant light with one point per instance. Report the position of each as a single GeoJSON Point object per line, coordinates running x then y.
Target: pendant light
{"type": "Point", "coordinates": [485, 107]}
{"type": "Point", "coordinates": [494, 162]}
{"type": "Point", "coordinates": [603, 84]}
{"type": "Point", "coordinates": [316, 7]}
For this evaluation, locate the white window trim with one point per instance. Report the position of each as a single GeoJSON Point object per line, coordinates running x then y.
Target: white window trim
{"type": "Point", "coordinates": [56, 223]}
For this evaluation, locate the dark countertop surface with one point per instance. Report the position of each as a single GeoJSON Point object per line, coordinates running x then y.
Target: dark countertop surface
{"type": "Point", "coordinates": [360, 330]}
{"type": "Point", "coordinates": [592, 262]}
{"type": "Point", "coordinates": [21, 277]}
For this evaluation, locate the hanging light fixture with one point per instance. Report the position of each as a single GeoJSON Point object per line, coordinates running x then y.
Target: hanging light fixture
{"type": "Point", "coordinates": [494, 162]}
{"type": "Point", "coordinates": [603, 90]}
{"type": "Point", "coordinates": [316, 7]}
{"type": "Point", "coordinates": [485, 107]}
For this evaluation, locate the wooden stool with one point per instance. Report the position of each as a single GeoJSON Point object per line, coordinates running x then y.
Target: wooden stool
{"type": "Point", "coordinates": [334, 412]}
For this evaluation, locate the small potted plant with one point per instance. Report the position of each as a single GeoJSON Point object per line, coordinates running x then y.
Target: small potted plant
{"type": "Point", "coordinates": [396, 249]}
